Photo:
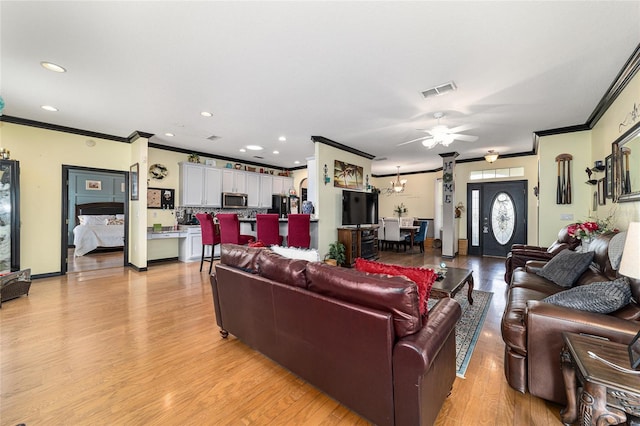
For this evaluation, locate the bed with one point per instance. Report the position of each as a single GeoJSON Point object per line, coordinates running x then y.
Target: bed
{"type": "Point", "coordinates": [98, 225]}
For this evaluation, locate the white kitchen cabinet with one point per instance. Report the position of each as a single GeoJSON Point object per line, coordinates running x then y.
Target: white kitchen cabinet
{"type": "Point", "coordinates": [253, 189]}
{"type": "Point", "coordinates": [200, 185]}
{"type": "Point", "coordinates": [281, 185]}
{"type": "Point", "coordinates": [190, 248]}
{"type": "Point", "coordinates": [266, 190]}
{"type": "Point", "coordinates": [234, 181]}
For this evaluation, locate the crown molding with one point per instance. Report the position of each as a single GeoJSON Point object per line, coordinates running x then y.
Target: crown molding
{"type": "Point", "coordinates": [334, 144]}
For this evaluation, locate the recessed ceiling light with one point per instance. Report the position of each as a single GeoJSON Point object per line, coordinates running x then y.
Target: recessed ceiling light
{"type": "Point", "coordinates": [49, 108]}
{"type": "Point", "coordinates": [255, 147]}
{"type": "Point", "coordinates": [243, 150]}
{"type": "Point", "coordinates": [52, 67]}
{"type": "Point", "coordinates": [169, 134]}
{"type": "Point", "coordinates": [282, 139]}
{"type": "Point", "coordinates": [276, 152]}
{"type": "Point", "coordinates": [296, 162]}
{"type": "Point", "coordinates": [206, 114]}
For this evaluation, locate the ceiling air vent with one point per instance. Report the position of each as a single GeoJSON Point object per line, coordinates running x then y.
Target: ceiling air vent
{"type": "Point", "coordinates": [258, 157]}
{"type": "Point", "coordinates": [439, 90]}
{"type": "Point", "coordinates": [380, 158]}
{"type": "Point", "coordinates": [213, 137]}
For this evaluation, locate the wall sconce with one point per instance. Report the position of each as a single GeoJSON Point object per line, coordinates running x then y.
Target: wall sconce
{"type": "Point", "coordinates": [326, 175]}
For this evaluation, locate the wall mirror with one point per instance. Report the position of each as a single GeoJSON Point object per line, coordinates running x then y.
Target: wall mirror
{"type": "Point", "coordinates": [626, 155]}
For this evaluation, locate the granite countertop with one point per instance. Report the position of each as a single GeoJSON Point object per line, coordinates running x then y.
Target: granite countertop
{"type": "Point", "coordinates": [164, 229]}
{"type": "Point", "coordinates": [253, 219]}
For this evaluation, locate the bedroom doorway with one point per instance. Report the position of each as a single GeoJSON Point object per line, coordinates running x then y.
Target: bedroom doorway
{"type": "Point", "coordinates": [90, 191]}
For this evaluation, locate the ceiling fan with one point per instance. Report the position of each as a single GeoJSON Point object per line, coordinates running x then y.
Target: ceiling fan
{"type": "Point", "coordinates": [441, 134]}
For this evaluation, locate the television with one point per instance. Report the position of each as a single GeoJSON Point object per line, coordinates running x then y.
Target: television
{"type": "Point", "coordinates": [359, 208]}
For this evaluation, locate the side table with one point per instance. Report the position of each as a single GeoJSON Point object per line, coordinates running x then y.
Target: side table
{"type": "Point", "coordinates": [14, 285]}
{"type": "Point", "coordinates": [606, 395]}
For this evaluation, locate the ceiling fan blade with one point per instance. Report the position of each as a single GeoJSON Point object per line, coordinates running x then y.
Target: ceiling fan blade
{"type": "Point", "coordinates": [465, 138]}
{"type": "Point", "coordinates": [461, 128]}
{"type": "Point", "coordinates": [413, 140]}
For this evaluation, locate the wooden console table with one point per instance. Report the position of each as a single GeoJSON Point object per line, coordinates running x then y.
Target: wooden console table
{"type": "Point", "coordinates": [359, 242]}
{"type": "Point", "coordinates": [606, 395]}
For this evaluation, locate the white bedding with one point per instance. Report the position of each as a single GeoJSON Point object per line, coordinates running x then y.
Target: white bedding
{"type": "Point", "coordinates": [90, 237]}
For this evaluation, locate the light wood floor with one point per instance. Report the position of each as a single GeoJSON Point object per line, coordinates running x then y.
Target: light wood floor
{"type": "Point", "coordinates": [93, 261]}
{"type": "Point", "coordinates": [118, 347]}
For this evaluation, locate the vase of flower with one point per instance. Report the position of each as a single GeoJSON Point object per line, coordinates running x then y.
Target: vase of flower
{"type": "Point", "coordinates": [400, 210]}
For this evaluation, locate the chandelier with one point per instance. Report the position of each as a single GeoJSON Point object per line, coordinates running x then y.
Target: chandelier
{"type": "Point", "coordinates": [491, 156]}
{"type": "Point", "coordinates": [397, 186]}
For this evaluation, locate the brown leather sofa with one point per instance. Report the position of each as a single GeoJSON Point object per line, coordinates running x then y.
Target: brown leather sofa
{"type": "Point", "coordinates": [358, 337]}
{"type": "Point", "coordinates": [520, 254]}
{"type": "Point", "coordinates": [532, 330]}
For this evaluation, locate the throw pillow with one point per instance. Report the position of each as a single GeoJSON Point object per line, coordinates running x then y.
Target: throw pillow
{"type": "Point", "coordinates": [616, 245]}
{"type": "Point", "coordinates": [95, 219]}
{"type": "Point", "coordinates": [310, 255]}
{"type": "Point", "coordinates": [423, 277]}
{"type": "Point", "coordinates": [602, 297]}
{"type": "Point", "coordinates": [566, 267]}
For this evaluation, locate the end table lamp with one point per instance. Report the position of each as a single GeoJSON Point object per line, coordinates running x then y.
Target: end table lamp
{"type": "Point", "coordinates": [630, 262]}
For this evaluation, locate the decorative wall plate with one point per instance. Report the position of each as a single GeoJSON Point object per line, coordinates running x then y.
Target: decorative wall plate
{"type": "Point", "coordinates": [158, 171]}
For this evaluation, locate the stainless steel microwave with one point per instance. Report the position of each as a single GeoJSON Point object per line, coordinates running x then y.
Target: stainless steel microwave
{"type": "Point", "coordinates": [231, 200]}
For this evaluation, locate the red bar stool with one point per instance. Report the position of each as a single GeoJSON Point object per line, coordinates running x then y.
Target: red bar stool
{"type": "Point", "coordinates": [210, 237]}
{"type": "Point", "coordinates": [298, 231]}
{"type": "Point", "coordinates": [269, 229]}
{"type": "Point", "coordinates": [230, 230]}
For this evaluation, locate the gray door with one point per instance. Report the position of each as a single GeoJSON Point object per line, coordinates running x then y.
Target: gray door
{"type": "Point", "coordinates": [496, 217]}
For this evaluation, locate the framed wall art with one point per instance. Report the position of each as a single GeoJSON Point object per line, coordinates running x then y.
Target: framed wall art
{"type": "Point", "coordinates": [347, 175]}
{"type": "Point", "coordinates": [160, 198]}
{"type": "Point", "coordinates": [93, 185]}
{"type": "Point", "coordinates": [134, 180]}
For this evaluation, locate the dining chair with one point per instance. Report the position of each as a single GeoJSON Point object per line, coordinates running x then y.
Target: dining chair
{"type": "Point", "coordinates": [420, 236]}
{"type": "Point", "coordinates": [392, 234]}
{"type": "Point", "coordinates": [269, 229]}
{"type": "Point", "coordinates": [230, 230]}
{"type": "Point", "coordinates": [210, 237]}
{"type": "Point", "coordinates": [381, 234]}
{"type": "Point", "coordinates": [298, 234]}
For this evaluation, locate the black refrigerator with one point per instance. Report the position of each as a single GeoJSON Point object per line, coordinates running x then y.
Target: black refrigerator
{"type": "Point", "coordinates": [280, 204]}
{"type": "Point", "coordinates": [9, 216]}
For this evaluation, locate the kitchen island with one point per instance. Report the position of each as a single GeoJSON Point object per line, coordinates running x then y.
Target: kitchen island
{"type": "Point", "coordinates": [185, 242]}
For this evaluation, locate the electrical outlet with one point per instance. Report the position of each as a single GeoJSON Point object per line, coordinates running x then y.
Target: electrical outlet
{"type": "Point", "coordinates": [566, 216]}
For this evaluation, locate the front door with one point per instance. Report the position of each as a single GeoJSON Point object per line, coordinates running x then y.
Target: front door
{"type": "Point", "coordinates": [496, 217]}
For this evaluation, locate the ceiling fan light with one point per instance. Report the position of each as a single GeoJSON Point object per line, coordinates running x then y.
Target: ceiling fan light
{"type": "Point", "coordinates": [491, 156]}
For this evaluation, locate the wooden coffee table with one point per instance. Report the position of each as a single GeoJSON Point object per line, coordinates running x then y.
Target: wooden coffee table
{"type": "Point", "coordinates": [453, 281]}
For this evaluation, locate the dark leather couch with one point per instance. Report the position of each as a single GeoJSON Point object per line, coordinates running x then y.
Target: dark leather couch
{"type": "Point", "coordinates": [532, 330]}
{"type": "Point", "coordinates": [358, 337]}
{"type": "Point", "coordinates": [520, 254]}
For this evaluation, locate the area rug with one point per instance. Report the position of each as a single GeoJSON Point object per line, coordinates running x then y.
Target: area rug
{"type": "Point", "coordinates": [469, 327]}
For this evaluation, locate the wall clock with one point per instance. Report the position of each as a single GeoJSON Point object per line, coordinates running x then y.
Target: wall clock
{"type": "Point", "coordinates": [158, 171]}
